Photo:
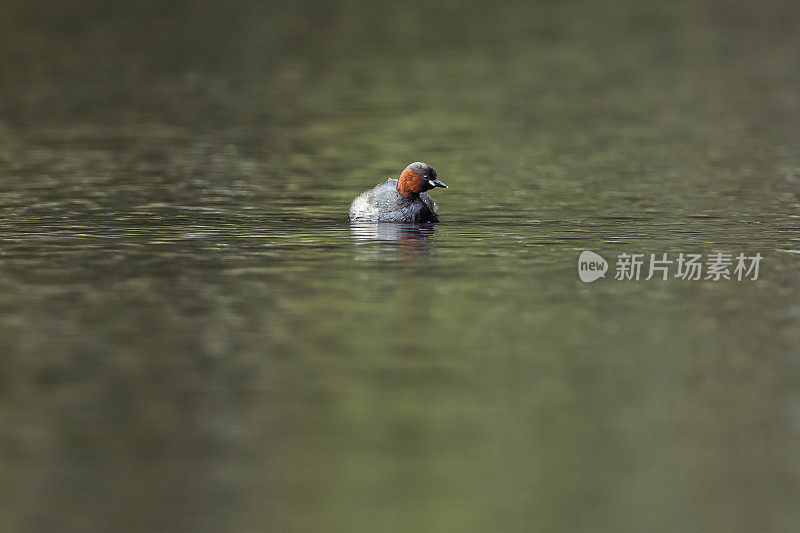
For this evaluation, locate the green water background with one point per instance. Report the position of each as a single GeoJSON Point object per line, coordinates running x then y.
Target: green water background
{"type": "Point", "coordinates": [193, 338]}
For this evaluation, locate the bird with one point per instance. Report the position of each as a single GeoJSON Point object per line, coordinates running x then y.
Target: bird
{"type": "Point", "coordinates": [400, 200]}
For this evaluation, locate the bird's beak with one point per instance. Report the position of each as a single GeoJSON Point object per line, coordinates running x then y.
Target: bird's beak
{"type": "Point", "coordinates": [437, 183]}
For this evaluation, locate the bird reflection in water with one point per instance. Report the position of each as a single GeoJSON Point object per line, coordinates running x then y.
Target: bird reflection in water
{"type": "Point", "coordinates": [409, 242]}
{"type": "Point", "coordinates": [408, 246]}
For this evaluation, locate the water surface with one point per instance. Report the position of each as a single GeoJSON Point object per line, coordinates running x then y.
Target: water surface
{"type": "Point", "coordinates": [194, 338]}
